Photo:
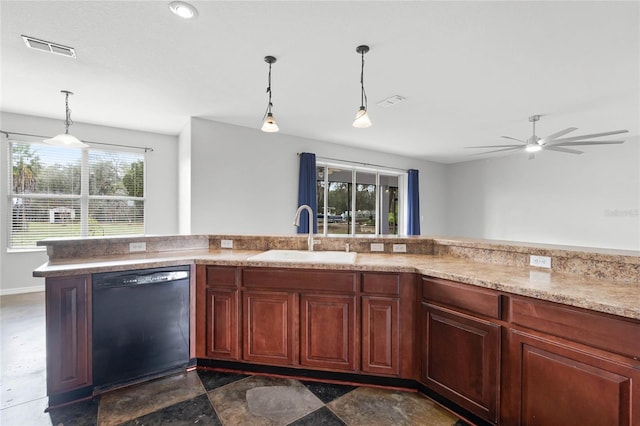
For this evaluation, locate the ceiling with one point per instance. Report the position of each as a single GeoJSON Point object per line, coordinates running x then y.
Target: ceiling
{"type": "Point", "coordinates": [470, 71]}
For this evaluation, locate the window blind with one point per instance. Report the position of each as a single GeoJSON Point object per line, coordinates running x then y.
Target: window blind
{"type": "Point", "coordinates": [69, 192]}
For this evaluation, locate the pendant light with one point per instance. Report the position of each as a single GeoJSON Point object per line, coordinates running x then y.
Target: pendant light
{"type": "Point", "coordinates": [362, 117]}
{"type": "Point", "coordinates": [269, 125]}
{"type": "Point", "coordinates": [65, 139]}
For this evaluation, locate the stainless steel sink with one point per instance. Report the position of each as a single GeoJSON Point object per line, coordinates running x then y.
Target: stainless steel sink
{"type": "Point", "coordinates": [301, 256]}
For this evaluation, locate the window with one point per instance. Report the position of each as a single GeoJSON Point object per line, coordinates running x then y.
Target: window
{"type": "Point", "coordinates": [67, 192]}
{"type": "Point", "coordinates": [359, 201]}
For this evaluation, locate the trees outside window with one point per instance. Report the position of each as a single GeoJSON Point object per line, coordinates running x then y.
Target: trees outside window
{"type": "Point", "coordinates": [354, 201]}
{"type": "Point", "coordinates": [62, 192]}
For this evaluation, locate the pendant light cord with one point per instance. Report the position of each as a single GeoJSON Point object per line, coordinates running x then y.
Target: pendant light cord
{"type": "Point", "coordinates": [363, 93]}
{"type": "Point", "coordinates": [269, 105]}
{"type": "Point", "coordinates": [67, 122]}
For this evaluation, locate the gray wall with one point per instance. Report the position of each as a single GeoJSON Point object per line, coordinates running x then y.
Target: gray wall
{"type": "Point", "coordinates": [591, 199]}
{"type": "Point", "coordinates": [246, 181]}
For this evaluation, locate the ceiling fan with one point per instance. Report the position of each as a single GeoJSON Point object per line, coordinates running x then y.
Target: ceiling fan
{"type": "Point", "coordinates": [553, 142]}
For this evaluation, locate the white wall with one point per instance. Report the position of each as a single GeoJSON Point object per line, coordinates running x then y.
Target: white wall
{"type": "Point", "coordinates": [162, 188]}
{"type": "Point", "coordinates": [244, 181]}
{"type": "Point", "coordinates": [591, 200]}
{"type": "Point", "coordinates": [184, 180]}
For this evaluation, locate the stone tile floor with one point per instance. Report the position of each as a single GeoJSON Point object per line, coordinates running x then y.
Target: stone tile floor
{"type": "Point", "coordinates": [196, 397]}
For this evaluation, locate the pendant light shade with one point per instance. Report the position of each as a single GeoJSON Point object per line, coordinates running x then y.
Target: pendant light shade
{"type": "Point", "coordinates": [362, 119]}
{"type": "Point", "coordinates": [269, 124]}
{"type": "Point", "coordinates": [65, 139]}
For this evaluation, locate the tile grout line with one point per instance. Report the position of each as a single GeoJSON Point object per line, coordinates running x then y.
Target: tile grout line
{"type": "Point", "coordinates": [23, 402]}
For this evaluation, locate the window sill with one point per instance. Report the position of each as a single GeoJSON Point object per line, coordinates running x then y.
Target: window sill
{"type": "Point", "coordinates": [26, 250]}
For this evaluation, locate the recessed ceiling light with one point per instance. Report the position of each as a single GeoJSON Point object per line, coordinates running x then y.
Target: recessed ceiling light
{"type": "Point", "coordinates": [183, 10]}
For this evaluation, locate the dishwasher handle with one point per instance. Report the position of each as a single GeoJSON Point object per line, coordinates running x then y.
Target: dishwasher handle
{"type": "Point", "coordinates": [131, 280]}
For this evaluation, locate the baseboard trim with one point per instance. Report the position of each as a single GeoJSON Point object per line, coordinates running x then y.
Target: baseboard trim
{"type": "Point", "coordinates": [21, 290]}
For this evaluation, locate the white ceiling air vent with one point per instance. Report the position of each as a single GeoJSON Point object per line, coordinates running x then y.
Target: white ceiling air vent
{"type": "Point", "coordinates": [47, 46]}
{"type": "Point", "coordinates": [395, 99]}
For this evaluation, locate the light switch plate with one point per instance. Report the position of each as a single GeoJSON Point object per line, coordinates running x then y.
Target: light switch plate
{"type": "Point", "coordinates": [140, 246]}
{"type": "Point", "coordinates": [226, 244]}
{"type": "Point", "coordinates": [377, 246]}
{"type": "Point", "coordinates": [540, 261]}
{"type": "Point", "coordinates": [399, 248]}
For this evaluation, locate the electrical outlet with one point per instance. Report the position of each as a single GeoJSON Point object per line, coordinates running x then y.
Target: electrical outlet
{"type": "Point", "coordinates": [377, 246]}
{"type": "Point", "coordinates": [226, 244]}
{"type": "Point", "coordinates": [141, 246]}
{"type": "Point", "coordinates": [399, 248]}
{"type": "Point", "coordinates": [540, 261]}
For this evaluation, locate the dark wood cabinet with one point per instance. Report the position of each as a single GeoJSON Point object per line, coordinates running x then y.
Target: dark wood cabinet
{"type": "Point", "coordinates": [217, 313]}
{"type": "Point", "coordinates": [380, 323]}
{"type": "Point", "coordinates": [559, 383]}
{"type": "Point", "coordinates": [300, 318]}
{"type": "Point", "coordinates": [327, 331]}
{"type": "Point", "coordinates": [461, 359]}
{"type": "Point", "coordinates": [570, 366]}
{"type": "Point", "coordinates": [269, 329]}
{"type": "Point", "coordinates": [380, 338]}
{"type": "Point", "coordinates": [222, 324]}
{"type": "Point", "coordinates": [461, 345]}
{"type": "Point", "coordinates": [68, 325]}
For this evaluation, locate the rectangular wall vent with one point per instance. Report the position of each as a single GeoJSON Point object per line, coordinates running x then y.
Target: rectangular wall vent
{"type": "Point", "coordinates": [47, 46]}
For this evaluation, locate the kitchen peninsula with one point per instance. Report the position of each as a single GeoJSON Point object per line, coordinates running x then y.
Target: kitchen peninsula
{"type": "Point", "coordinates": [467, 322]}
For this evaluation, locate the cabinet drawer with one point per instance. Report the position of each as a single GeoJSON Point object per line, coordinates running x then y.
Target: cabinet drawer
{"type": "Point", "coordinates": [387, 284]}
{"type": "Point", "coordinates": [462, 296]}
{"type": "Point", "coordinates": [221, 276]}
{"type": "Point", "coordinates": [291, 279]}
{"type": "Point", "coordinates": [618, 335]}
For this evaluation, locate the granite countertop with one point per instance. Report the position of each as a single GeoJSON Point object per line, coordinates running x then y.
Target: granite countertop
{"type": "Point", "coordinates": [609, 296]}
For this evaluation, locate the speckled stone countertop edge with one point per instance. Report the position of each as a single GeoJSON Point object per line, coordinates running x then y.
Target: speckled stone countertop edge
{"type": "Point", "coordinates": [588, 253]}
{"type": "Point", "coordinates": [621, 299]}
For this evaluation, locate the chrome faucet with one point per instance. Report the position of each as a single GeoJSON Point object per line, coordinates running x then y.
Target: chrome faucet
{"type": "Point", "coordinates": [296, 222]}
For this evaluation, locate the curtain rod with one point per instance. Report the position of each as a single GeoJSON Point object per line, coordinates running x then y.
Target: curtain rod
{"type": "Point", "coordinates": [146, 149]}
{"type": "Point", "coordinates": [358, 163]}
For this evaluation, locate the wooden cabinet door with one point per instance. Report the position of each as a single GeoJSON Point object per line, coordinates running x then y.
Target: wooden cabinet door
{"type": "Point", "coordinates": [68, 311]}
{"type": "Point", "coordinates": [328, 338]}
{"type": "Point", "coordinates": [461, 359]}
{"type": "Point", "coordinates": [268, 327]}
{"type": "Point", "coordinates": [560, 383]}
{"type": "Point", "coordinates": [380, 339]}
{"type": "Point", "coordinates": [222, 324]}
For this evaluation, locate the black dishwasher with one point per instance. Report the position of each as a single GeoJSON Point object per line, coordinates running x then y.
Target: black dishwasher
{"type": "Point", "coordinates": [140, 324]}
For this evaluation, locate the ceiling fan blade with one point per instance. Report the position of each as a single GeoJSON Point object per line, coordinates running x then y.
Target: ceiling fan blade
{"type": "Point", "coordinates": [556, 135]}
{"type": "Point", "coordinates": [559, 149]}
{"type": "Point", "coordinates": [586, 143]}
{"type": "Point", "coordinates": [500, 150]}
{"type": "Point", "coordinates": [509, 137]}
{"type": "Point", "coordinates": [496, 146]}
{"type": "Point", "coordinates": [593, 135]}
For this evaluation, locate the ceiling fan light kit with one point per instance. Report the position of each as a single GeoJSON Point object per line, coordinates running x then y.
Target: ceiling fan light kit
{"type": "Point", "coordinates": [65, 139]}
{"type": "Point", "coordinates": [553, 142]}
